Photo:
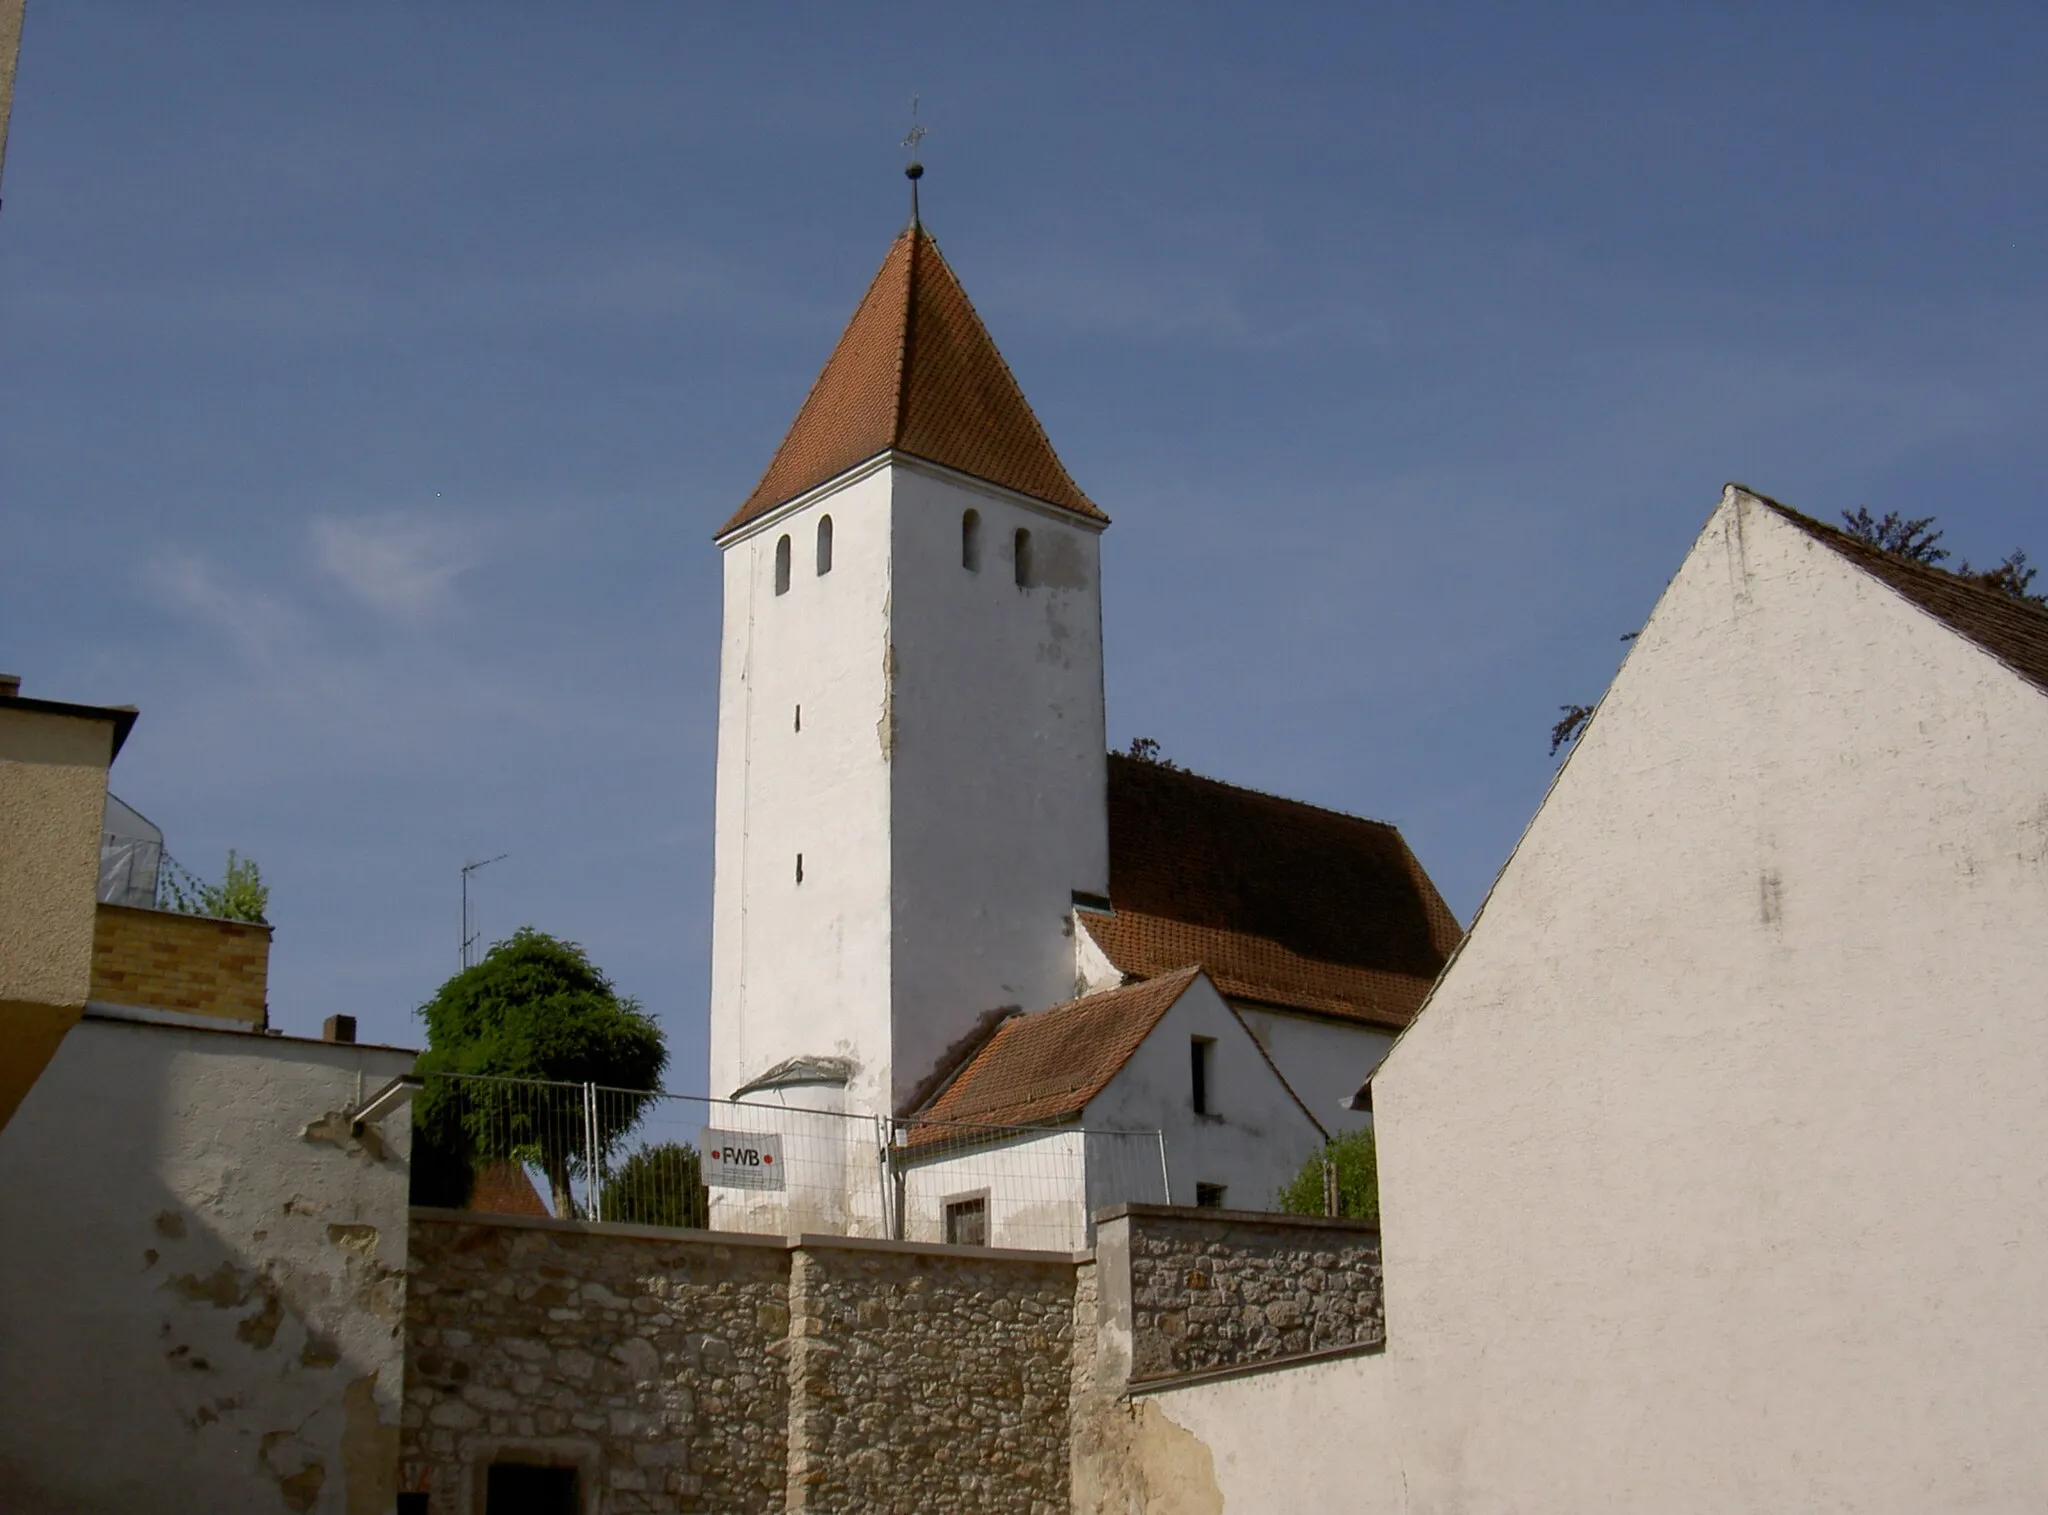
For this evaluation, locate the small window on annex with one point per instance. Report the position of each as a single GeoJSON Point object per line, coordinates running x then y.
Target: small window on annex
{"type": "Point", "coordinates": [524, 1488]}
{"type": "Point", "coordinates": [967, 1221]}
{"type": "Point", "coordinates": [970, 541]}
{"type": "Point", "coordinates": [1209, 1196]}
{"type": "Point", "coordinates": [1201, 1063]}
{"type": "Point", "coordinates": [1024, 574]}
{"type": "Point", "coordinates": [824, 545]}
{"type": "Point", "coordinates": [782, 566]}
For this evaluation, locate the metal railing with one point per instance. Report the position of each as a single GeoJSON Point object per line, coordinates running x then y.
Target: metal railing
{"type": "Point", "coordinates": [587, 1152]}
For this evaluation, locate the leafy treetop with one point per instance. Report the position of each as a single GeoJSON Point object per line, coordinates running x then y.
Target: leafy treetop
{"type": "Point", "coordinates": [537, 1007]}
{"type": "Point", "coordinates": [241, 895]}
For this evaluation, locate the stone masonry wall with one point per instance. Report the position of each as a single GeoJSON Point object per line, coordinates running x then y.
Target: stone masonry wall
{"type": "Point", "coordinates": [699, 1371]}
{"type": "Point", "coordinates": [190, 963]}
{"type": "Point", "coordinates": [1230, 1288]}
{"type": "Point", "coordinates": [656, 1364]}
{"type": "Point", "coordinates": [929, 1379]}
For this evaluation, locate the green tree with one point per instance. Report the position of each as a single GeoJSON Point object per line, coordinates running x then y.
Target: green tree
{"type": "Point", "coordinates": [241, 895]}
{"type": "Point", "coordinates": [659, 1186]}
{"type": "Point", "coordinates": [1358, 1179]}
{"type": "Point", "coordinates": [531, 1024]}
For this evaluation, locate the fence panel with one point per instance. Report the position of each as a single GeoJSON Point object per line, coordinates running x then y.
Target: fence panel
{"type": "Point", "coordinates": [586, 1152]}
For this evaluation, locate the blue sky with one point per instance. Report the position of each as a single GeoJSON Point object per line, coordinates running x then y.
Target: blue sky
{"type": "Point", "coordinates": [374, 376]}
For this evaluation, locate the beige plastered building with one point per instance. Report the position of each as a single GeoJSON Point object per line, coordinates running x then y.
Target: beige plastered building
{"type": "Point", "coordinates": [1712, 1169]}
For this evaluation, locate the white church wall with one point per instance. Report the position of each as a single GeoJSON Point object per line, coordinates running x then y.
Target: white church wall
{"type": "Point", "coordinates": [1034, 1188]}
{"type": "Point", "coordinates": [832, 1183]}
{"type": "Point", "coordinates": [1711, 1173]}
{"type": "Point", "coordinates": [1323, 1060]}
{"type": "Point", "coordinates": [1093, 971]}
{"type": "Point", "coordinates": [803, 967]}
{"type": "Point", "coordinates": [998, 775]}
{"type": "Point", "coordinates": [1255, 1136]}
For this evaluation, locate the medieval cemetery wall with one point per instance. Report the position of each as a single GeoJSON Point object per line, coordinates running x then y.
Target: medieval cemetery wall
{"type": "Point", "coordinates": [929, 1378]}
{"type": "Point", "coordinates": [1201, 1290]}
{"type": "Point", "coordinates": [653, 1362]}
{"type": "Point", "coordinates": [1201, 1334]}
{"type": "Point", "coordinates": [706, 1371]}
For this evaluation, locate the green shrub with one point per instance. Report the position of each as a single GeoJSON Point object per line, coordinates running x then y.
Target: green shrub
{"type": "Point", "coordinates": [1358, 1179]}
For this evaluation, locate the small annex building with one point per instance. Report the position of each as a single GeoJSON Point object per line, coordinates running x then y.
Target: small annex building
{"type": "Point", "coordinates": [1168, 1054]}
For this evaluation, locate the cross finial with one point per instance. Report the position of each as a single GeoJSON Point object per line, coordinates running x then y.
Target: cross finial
{"type": "Point", "coordinates": [914, 170]}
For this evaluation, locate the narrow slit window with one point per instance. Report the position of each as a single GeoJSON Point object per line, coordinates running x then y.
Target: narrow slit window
{"type": "Point", "coordinates": [799, 717]}
{"type": "Point", "coordinates": [782, 566]}
{"type": "Point", "coordinates": [970, 541]}
{"type": "Point", "coordinates": [1201, 1054]}
{"type": "Point", "coordinates": [967, 1222]}
{"type": "Point", "coordinates": [799, 867]}
{"type": "Point", "coordinates": [1024, 576]}
{"type": "Point", "coordinates": [824, 545]}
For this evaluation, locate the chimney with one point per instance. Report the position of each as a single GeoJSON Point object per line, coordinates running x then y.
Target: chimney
{"type": "Point", "coordinates": [338, 1028]}
{"type": "Point", "coordinates": [10, 686]}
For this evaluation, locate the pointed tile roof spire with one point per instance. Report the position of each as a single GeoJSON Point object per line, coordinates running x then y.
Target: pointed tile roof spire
{"type": "Point", "coordinates": [915, 371]}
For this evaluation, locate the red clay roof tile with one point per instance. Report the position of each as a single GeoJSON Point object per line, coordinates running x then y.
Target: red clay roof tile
{"type": "Point", "coordinates": [1045, 1067]}
{"type": "Point", "coordinates": [916, 371]}
{"type": "Point", "coordinates": [2013, 631]}
{"type": "Point", "coordinates": [1283, 903]}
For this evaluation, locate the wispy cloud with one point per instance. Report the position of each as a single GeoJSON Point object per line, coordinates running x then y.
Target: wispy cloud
{"type": "Point", "coordinates": [397, 565]}
{"type": "Point", "coordinates": [258, 624]}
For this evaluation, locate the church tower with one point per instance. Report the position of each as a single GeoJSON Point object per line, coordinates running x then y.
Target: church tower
{"type": "Point", "coordinates": [911, 771]}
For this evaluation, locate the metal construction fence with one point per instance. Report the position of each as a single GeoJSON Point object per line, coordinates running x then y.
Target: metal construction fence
{"type": "Point", "coordinates": [587, 1152]}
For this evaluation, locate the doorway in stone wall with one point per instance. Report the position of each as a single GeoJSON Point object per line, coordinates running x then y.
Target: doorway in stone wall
{"type": "Point", "coordinates": [524, 1488]}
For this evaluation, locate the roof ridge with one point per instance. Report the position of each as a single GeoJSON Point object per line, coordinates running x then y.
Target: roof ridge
{"type": "Point", "coordinates": [1263, 794]}
{"type": "Point", "coordinates": [1928, 572]}
{"type": "Point", "coordinates": [906, 342]}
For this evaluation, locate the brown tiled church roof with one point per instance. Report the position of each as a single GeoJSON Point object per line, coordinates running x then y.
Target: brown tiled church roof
{"type": "Point", "coordinates": [917, 372]}
{"type": "Point", "coordinates": [2012, 631]}
{"type": "Point", "coordinates": [1045, 1067]}
{"type": "Point", "coordinates": [1282, 903]}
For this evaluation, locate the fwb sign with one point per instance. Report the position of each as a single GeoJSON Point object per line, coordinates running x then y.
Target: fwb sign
{"type": "Point", "coordinates": [736, 1161]}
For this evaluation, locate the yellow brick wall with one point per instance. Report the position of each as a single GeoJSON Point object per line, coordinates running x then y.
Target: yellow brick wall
{"type": "Point", "coordinates": [188, 963]}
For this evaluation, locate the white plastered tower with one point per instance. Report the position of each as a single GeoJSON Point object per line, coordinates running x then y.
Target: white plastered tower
{"type": "Point", "coordinates": [911, 742]}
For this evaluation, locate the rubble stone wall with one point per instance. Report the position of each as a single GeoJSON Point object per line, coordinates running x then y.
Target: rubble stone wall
{"type": "Point", "coordinates": [654, 1364]}
{"type": "Point", "coordinates": [702, 1371]}
{"type": "Point", "coordinates": [1231, 1288]}
{"type": "Point", "coordinates": [706, 1371]}
{"type": "Point", "coordinates": [929, 1379]}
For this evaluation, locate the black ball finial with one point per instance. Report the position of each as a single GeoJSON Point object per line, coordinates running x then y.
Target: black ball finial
{"type": "Point", "coordinates": [914, 172]}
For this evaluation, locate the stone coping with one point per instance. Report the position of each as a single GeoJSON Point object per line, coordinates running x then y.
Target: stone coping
{"type": "Point", "coordinates": [1275, 1218]}
{"type": "Point", "coordinates": [446, 1217]}
{"type": "Point", "coordinates": [816, 1243]}
{"type": "Point", "coordinates": [807, 1242]}
{"type": "Point", "coordinates": [1139, 1387]}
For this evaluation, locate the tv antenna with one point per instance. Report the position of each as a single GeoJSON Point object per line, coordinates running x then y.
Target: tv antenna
{"type": "Point", "coordinates": [469, 932]}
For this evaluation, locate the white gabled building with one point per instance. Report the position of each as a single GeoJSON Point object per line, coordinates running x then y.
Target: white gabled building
{"type": "Point", "coordinates": [1712, 1171]}
{"type": "Point", "coordinates": [919, 836]}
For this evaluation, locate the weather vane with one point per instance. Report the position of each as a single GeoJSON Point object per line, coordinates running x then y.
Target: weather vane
{"type": "Point", "coordinates": [914, 170]}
